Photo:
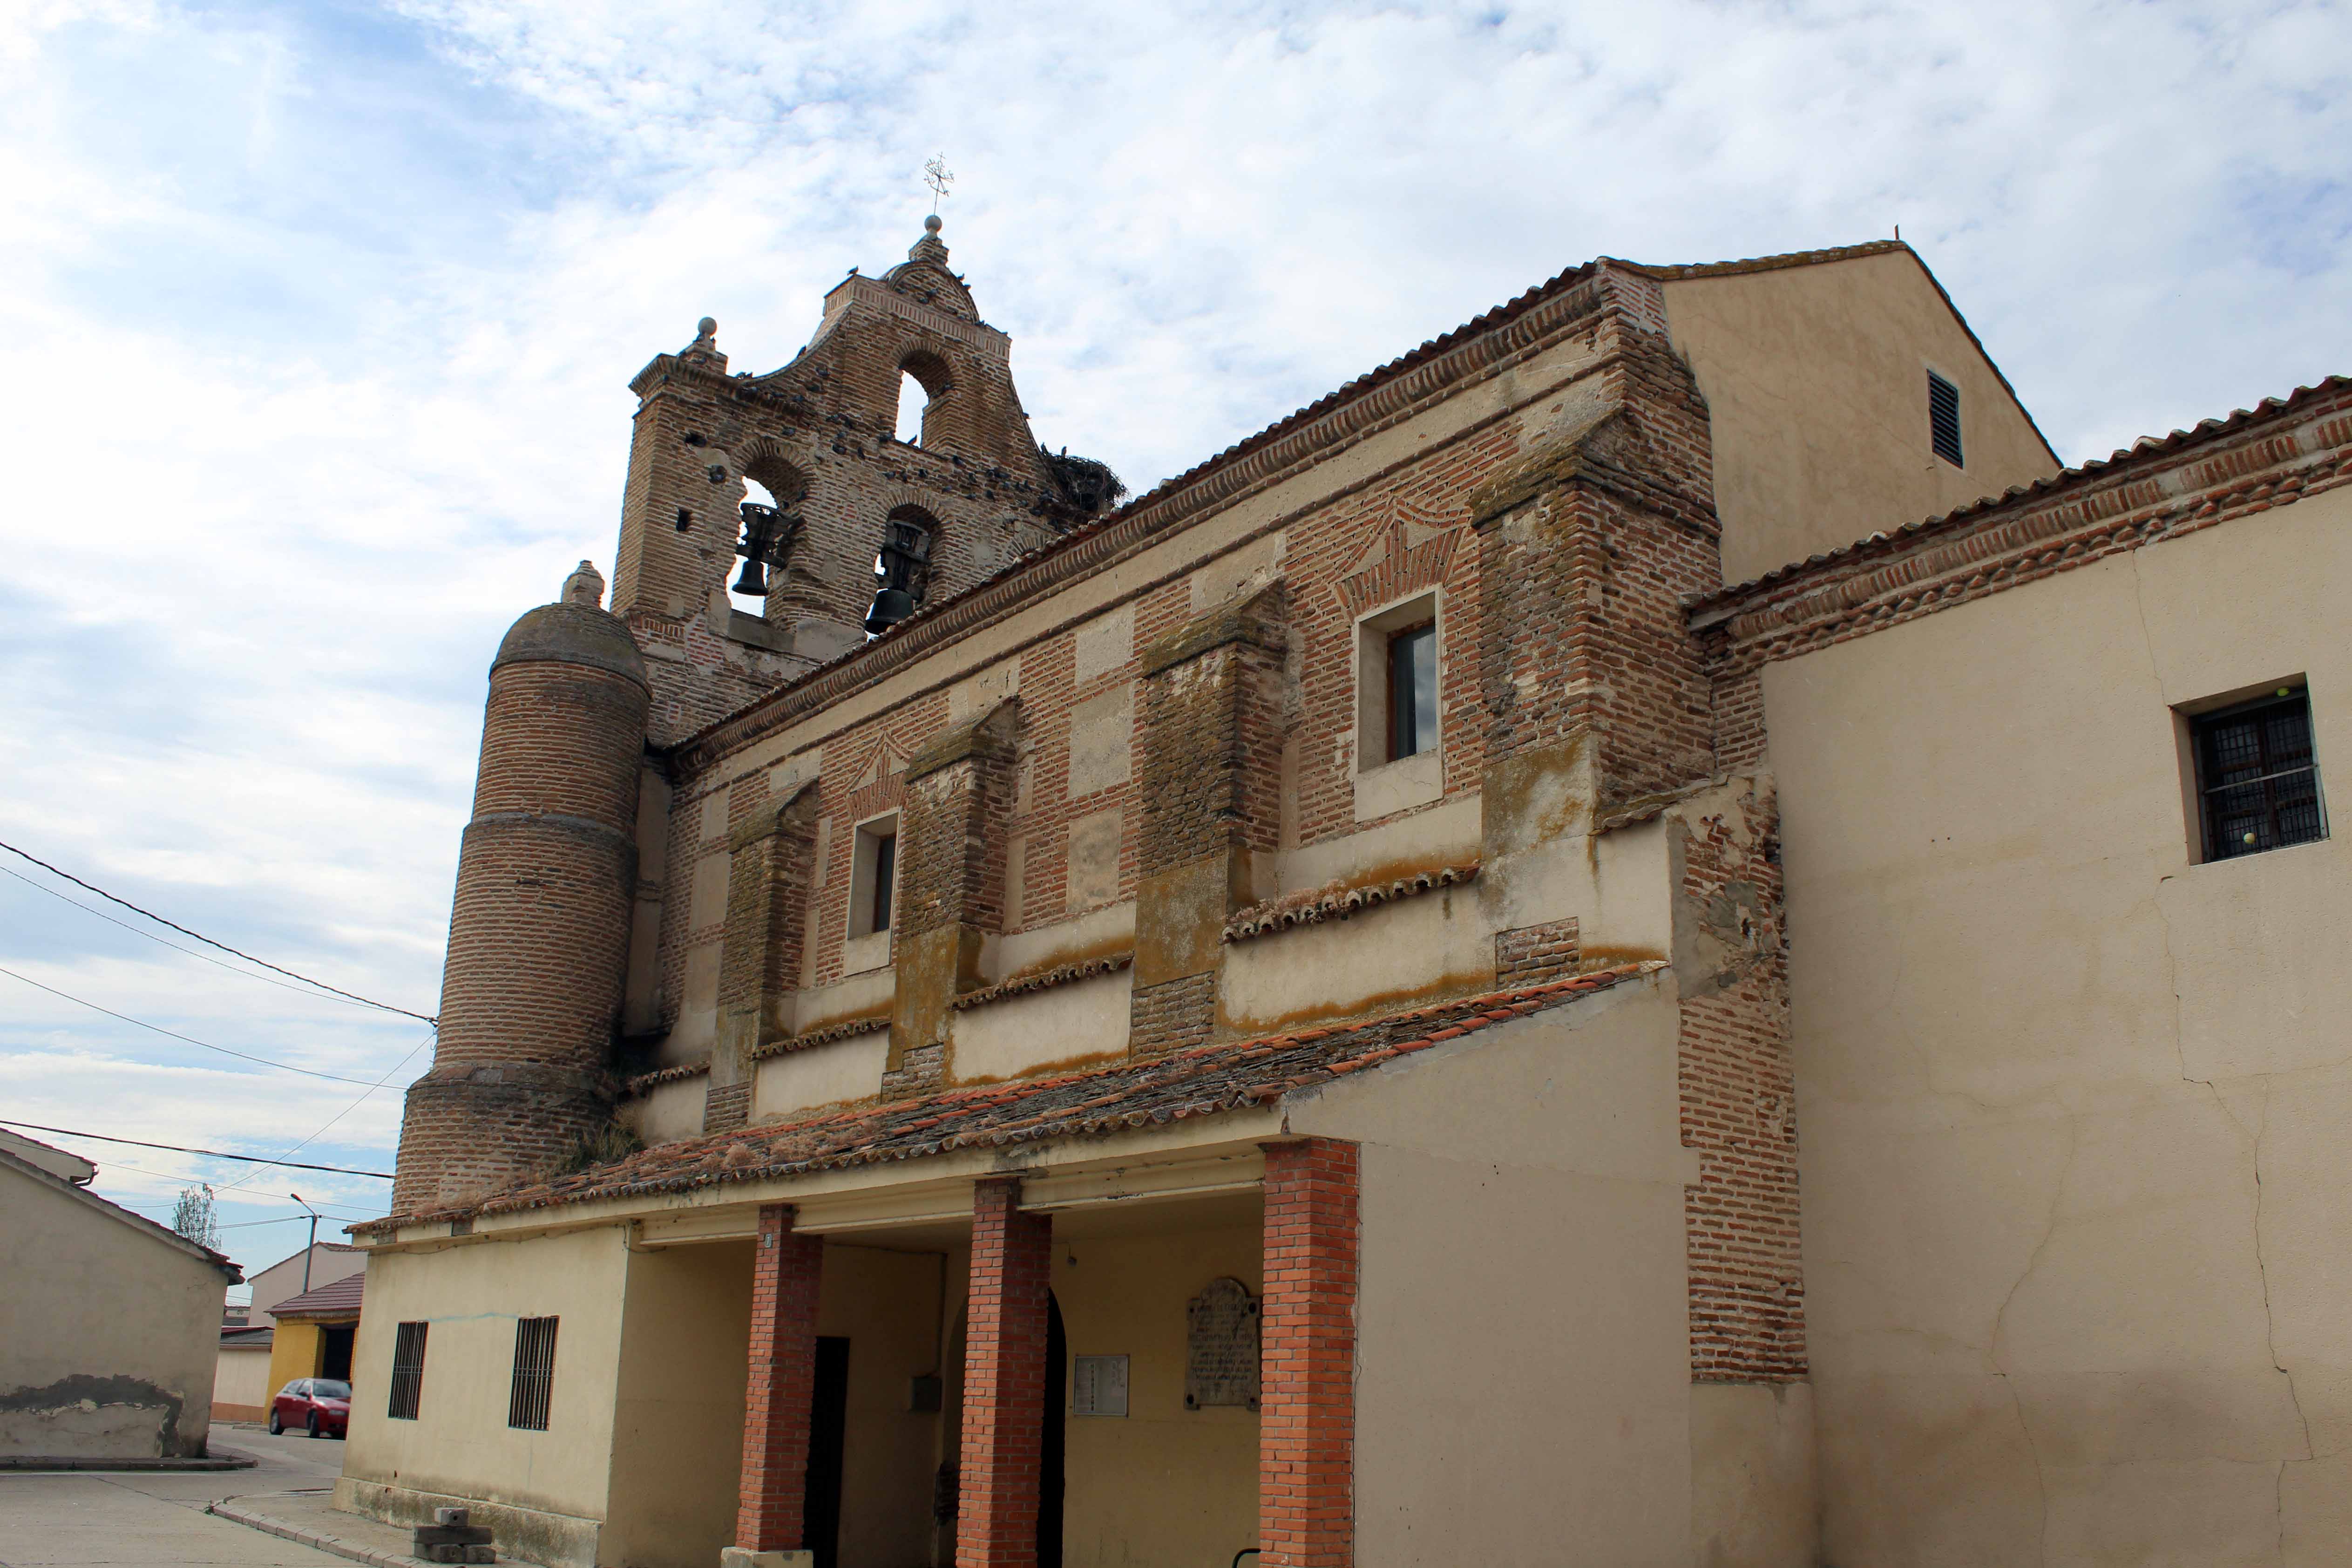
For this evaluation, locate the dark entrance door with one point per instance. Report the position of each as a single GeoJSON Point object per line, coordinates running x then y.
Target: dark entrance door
{"type": "Point", "coordinates": [1049, 1448]}
{"type": "Point", "coordinates": [335, 1360]}
{"type": "Point", "coordinates": [828, 1424]}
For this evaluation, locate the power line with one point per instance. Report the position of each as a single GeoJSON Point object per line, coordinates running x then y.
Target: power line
{"type": "Point", "coordinates": [190, 1039]}
{"type": "Point", "coordinates": [347, 1110]}
{"type": "Point", "coordinates": [183, 1149]}
{"type": "Point", "coordinates": [290, 975]}
{"type": "Point", "coordinates": [204, 957]}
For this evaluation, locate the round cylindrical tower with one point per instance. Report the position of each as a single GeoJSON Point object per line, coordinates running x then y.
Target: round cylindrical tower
{"type": "Point", "coordinates": [539, 935]}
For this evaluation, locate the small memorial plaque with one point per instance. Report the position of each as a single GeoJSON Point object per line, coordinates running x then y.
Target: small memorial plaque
{"type": "Point", "coordinates": [1099, 1385]}
{"type": "Point", "coordinates": [1220, 1362]}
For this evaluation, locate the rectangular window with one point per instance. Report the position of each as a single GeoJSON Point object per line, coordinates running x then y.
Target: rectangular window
{"type": "Point", "coordinates": [873, 877]}
{"type": "Point", "coordinates": [407, 1371]}
{"type": "Point", "coordinates": [1412, 690]}
{"type": "Point", "coordinates": [1944, 418]}
{"type": "Point", "coordinates": [534, 1374]}
{"type": "Point", "coordinates": [2258, 775]}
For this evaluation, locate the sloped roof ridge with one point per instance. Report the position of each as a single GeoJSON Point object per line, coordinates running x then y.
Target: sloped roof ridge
{"type": "Point", "coordinates": [2147, 450]}
{"type": "Point", "coordinates": [158, 1232]}
{"type": "Point", "coordinates": [334, 1296]}
{"type": "Point", "coordinates": [1675, 271]}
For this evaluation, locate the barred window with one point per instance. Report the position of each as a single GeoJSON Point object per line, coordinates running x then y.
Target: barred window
{"type": "Point", "coordinates": [1944, 418]}
{"type": "Point", "coordinates": [407, 1371]}
{"type": "Point", "coordinates": [534, 1374]}
{"type": "Point", "coordinates": [2258, 776]}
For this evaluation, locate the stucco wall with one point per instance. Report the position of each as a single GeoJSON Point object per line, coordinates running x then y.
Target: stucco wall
{"type": "Point", "coordinates": [1523, 1372]}
{"type": "Point", "coordinates": [1161, 1486]}
{"type": "Point", "coordinates": [2074, 1110]}
{"type": "Point", "coordinates": [241, 1385]}
{"type": "Point", "coordinates": [1816, 383]}
{"type": "Point", "coordinates": [113, 1333]}
{"type": "Point", "coordinates": [472, 1296]}
{"type": "Point", "coordinates": [677, 1423]}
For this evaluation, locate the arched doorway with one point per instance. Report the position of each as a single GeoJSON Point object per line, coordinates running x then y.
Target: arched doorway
{"type": "Point", "coordinates": [1050, 1444]}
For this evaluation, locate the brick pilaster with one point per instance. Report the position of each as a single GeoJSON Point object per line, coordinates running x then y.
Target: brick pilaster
{"type": "Point", "coordinates": [1004, 1381]}
{"type": "Point", "coordinates": [785, 1269]}
{"type": "Point", "coordinates": [771, 857]}
{"type": "Point", "coordinates": [1307, 1419]}
{"type": "Point", "coordinates": [951, 844]}
{"type": "Point", "coordinates": [1211, 748]}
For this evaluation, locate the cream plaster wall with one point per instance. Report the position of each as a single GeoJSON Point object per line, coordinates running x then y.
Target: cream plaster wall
{"type": "Point", "coordinates": [472, 1294]}
{"type": "Point", "coordinates": [1523, 1390]}
{"type": "Point", "coordinates": [1816, 383]}
{"type": "Point", "coordinates": [821, 1075]}
{"type": "Point", "coordinates": [670, 1110]}
{"type": "Point", "coordinates": [1161, 1486]}
{"type": "Point", "coordinates": [2074, 1110]}
{"type": "Point", "coordinates": [241, 1383]}
{"type": "Point", "coordinates": [677, 1423]}
{"type": "Point", "coordinates": [1432, 944]}
{"type": "Point", "coordinates": [1062, 1026]}
{"type": "Point", "coordinates": [112, 1331]}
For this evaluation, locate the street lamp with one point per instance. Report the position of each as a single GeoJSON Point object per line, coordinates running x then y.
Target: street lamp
{"type": "Point", "coordinates": [313, 1246]}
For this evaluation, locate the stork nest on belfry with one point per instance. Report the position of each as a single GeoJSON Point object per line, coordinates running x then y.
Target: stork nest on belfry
{"type": "Point", "coordinates": [1091, 487]}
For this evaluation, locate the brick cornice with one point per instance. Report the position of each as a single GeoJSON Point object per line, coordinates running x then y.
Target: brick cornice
{"type": "Point", "coordinates": [2253, 461]}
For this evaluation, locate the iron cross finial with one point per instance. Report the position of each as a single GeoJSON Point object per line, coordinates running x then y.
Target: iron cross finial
{"type": "Point", "coordinates": [936, 175]}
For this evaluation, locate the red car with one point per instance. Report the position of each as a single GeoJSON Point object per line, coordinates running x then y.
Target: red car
{"type": "Point", "coordinates": [321, 1406]}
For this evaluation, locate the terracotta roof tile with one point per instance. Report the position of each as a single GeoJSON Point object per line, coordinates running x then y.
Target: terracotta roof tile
{"type": "Point", "coordinates": [1202, 1081]}
{"type": "Point", "coordinates": [331, 1299]}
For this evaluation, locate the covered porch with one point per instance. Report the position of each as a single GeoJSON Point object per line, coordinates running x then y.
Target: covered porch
{"type": "Point", "coordinates": [1141, 1362]}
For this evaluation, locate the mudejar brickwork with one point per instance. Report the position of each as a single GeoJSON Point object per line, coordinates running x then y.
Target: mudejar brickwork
{"type": "Point", "coordinates": [1487, 871]}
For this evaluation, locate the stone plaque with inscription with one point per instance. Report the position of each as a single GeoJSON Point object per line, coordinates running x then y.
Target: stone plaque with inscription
{"type": "Point", "coordinates": [1221, 1360]}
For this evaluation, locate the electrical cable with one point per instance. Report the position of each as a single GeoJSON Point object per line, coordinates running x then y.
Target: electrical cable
{"type": "Point", "coordinates": [209, 1153]}
{"type": "Point", "coordinates": [302, 990]}
{"type": "Point", "coordinates": [241, 1055]}
{"type": "Point", "coordinates": [290, 975]}
{"type": "Point", "coordinates": [347, 1110]}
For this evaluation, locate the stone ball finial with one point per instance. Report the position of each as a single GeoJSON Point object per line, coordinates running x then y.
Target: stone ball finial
{"type": "Point", "coordinates": [932, 224]}
{"type": "Point", "coordinates": [707, 328]}
{"type": "Point", "coordinates": [584, 586]}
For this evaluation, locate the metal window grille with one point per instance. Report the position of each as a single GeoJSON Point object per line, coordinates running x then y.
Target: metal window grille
{"type": "Point", "coordinates": [1412, 690]}
{"type": "Point", "coordinates": [407, 1371]}
{"type": "Point", "coordinates": [1944, 418]}
{"type": "Point", "coordinates": [534, 1374]}
{"type": "Point", "coordinates": [2258, 776]}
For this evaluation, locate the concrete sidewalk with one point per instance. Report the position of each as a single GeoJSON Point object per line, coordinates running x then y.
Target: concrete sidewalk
{"type": "Point", "coordinates": [88, 1519]}
{"type": "Point", "coordinates": [310, 1519]}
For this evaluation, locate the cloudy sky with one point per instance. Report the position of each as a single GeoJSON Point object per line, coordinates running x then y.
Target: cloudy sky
{"type": "Point", "coordinates": [318, 321]}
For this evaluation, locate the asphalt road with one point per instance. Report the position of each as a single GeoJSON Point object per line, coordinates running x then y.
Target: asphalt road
{"type": "Point", "coordinates": [100, 1518]}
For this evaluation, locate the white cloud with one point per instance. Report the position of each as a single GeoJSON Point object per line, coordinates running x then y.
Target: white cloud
{"type": "Point", "coordinates": [313, 354]}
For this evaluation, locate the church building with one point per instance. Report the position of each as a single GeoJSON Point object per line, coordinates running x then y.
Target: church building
{"type": "Point", "coordinates": [1644, 936]}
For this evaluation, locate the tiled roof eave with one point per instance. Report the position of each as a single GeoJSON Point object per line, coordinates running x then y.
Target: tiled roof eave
{"type": "Point", "coordinates": [1205, 1080]}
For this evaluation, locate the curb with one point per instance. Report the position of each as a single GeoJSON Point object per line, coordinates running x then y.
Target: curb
{"type": "Point", "coordinates": [228, 1509]}
{"type": "Point", "coordinates": [229, 1460]}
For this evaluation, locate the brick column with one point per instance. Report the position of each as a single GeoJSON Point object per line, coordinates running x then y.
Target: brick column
{"type": "Point", "coordinates": [785, 1273]}
{"type": "Point", "coordinates": [1004, 1381]}
{"type": "Point", "coordinates": [1306, 1418]}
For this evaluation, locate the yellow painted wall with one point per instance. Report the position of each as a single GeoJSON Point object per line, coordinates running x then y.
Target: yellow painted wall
{"type": "Point", "coordinates": [143, 1364]}
{"type": "Point", "coordinates": [2074, 1111]}
{"type": "Point", "coordinates": [1816, 383]}
{"type": "Point", "coordinates": [1162, 1487]}
{"type": "Point", "coordinates": [472, 1294]}
{"type": "Point", "coordinates": [297, 1350]}
{"type": "Point", "coordinates": [678, 1430]}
